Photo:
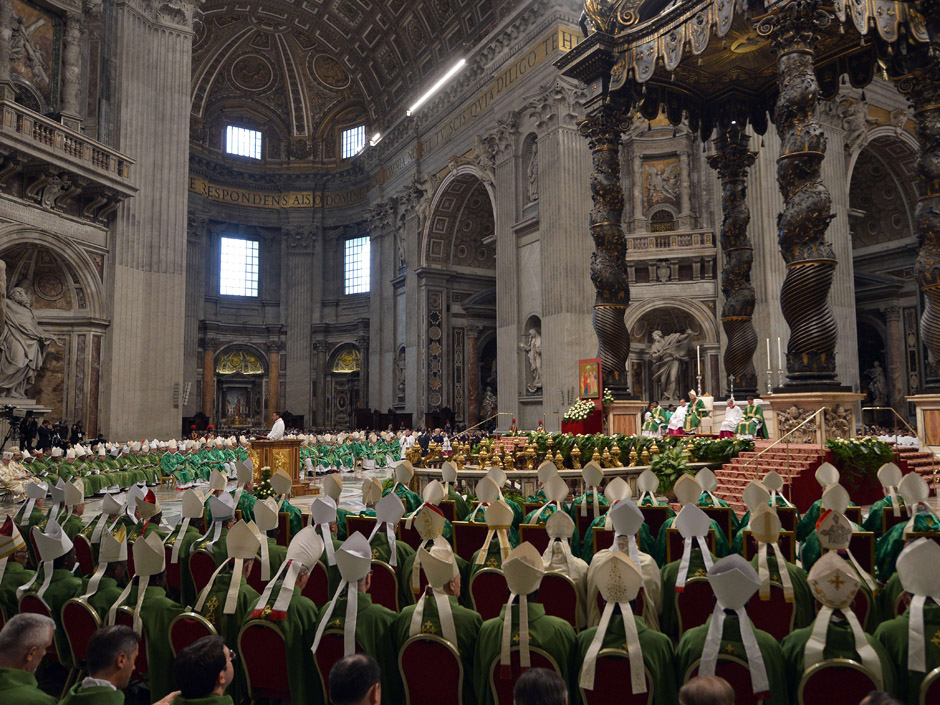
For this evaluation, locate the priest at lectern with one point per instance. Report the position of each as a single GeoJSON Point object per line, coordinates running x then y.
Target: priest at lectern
{"type": "Point", "coordinates": [277, 430]}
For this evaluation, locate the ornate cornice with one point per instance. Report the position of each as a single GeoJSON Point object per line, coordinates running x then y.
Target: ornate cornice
{"type": "Point", "coordinates": [559, 103]}
{"type": "Point", "coordinates": [382, 216]}
{"type": "Point", "coordinates": [300, 237]}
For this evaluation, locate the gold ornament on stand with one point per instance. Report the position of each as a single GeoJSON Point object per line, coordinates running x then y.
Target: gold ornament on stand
{"type": "Point", "coordinates": [576, 457]}
{"type": "Point", "coordinates": [606, 459]}
{"type": "Point", "coordinates": [633, 457]}
{"type": "Point", "coordinates": [645, 457]}
{"type": "Point", "coordinates": [559, 460]}
{"type": "Point", "coordinates": [596, 457]}
{"type": "Point", "coordinates": [508, 461]}
{"type": "Point", "coordinates": [530, 456]}
{"type": "Point", "coordinates": [460, 458]}
{"type": "Point", "coordinates": [615, 455]}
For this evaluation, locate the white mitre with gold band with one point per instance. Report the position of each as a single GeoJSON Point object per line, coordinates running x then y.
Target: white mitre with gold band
{"type": "Point", "coordinates": [354, 559]}
{"type": "Point", "coordinates": [693, 525]}
{"type": "Point", "coordinates": [440, 567]}
{"type": "Point", "coordinates": [303, 553]}
{"type": "Point", "coordinates": [11, 541]}
{"type": "Point", "coordinates": [242, 545]}
{"type": "Point", "coordinates": [593, 476]}
{"type": "Point", "coordinates": [765, 527]}
{"type": "Point", "coordinates": [429, 522]}
{"type": "Point", "coordinates": [523, 571]}
{"type": "Point", "coordinates": [322, 515]}
{"type": "Point", "coordinates": [498, 523]}
{"type": "Point", "coordinates": [51, 544]}
{"type": "Point", "coordinates": [265, 511]}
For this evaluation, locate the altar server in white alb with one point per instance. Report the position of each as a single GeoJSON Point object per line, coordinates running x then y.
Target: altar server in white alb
{"type": "Point", "coordinates": [277, 430]}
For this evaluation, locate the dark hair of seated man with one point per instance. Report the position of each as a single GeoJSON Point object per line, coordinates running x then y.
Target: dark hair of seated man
{"type": "Point", "coordinates": [540, 686]}
{"type": "Point", "coordinates": [354, 680]}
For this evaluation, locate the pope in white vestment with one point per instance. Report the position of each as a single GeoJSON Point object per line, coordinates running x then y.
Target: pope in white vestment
{"type": "Point", "coordinates": [733, 416]}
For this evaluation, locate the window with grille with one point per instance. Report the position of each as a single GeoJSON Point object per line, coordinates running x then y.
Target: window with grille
{"type": "Point", "coordinates": [354, 141]}
{"type": "Point", "coordinates": [243, 142]}
{"type": "Point", "coordinates": [356, 265]}
{"type": "Point", "coordinates": [662, 221]}
{"type": "Point", "coordinates": [238, 273]}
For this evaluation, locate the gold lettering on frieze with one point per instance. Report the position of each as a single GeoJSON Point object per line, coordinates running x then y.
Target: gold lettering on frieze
{"type": "Point", "coordinates": [288, 199]}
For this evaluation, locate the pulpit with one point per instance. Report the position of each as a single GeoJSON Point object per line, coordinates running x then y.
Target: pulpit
{"type": "Point", "coordinates": [278, 455]}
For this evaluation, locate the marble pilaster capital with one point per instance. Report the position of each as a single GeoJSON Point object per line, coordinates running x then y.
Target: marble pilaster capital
{"type": "Point", "coordinates": [382, 215]}
{"type": "Point", "coordinates": [196, 226]}
{"type": "Point", "coordinates": [211, 344]}
{"type": "Point", "coordinates": [300, 237]}
{"type": "Point", "coordinates": [274, 347]}
{"type": "Point", "coordinates": [320, 346]}
{"type": "Point", "coordinates": [559, 103]}
{"type": "Point", "coordinates": [891, 313]}
{"type": "Point", "coordinates": [362, 341]}
{"type": "Point", "coordinates": [473, 331]}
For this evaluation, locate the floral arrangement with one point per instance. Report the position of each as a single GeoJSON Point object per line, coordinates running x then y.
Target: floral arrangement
{"type": "Point", "coordinates": [264, 489]}
{"type": "Point", "coordinates": [859, 456]}
{"type": "Point", "coordinates": [608, 396]}
{"type": "Point", "coordinates": [579, 411]}
{"type": "Point", "coordinates": [669, 465]}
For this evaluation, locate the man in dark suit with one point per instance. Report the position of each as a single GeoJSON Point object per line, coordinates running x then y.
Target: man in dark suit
{"type": "Point", "coordinates": [45, 436]}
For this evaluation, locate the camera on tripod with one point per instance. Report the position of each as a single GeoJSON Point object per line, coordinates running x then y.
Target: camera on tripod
{"type": "Point", "coordinates": [9, 412]}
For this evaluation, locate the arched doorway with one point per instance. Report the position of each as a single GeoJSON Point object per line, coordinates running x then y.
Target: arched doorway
{"type": "Point", "coordinates": [240, 375]}
{"type": "Point", "coordinates": [343, 387]}
{"type": "Point", "coordinates": [884, 248]}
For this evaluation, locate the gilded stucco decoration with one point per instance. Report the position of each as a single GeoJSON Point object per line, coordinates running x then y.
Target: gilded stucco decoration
{"type": "Point", "coordinates": [239, 362]}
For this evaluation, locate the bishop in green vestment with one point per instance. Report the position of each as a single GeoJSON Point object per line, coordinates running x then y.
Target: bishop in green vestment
{"type": "Point", "coordinates": [14, 575]}
{"type": "Point", "coordinates": [893, 636]}
{"type": "Point", "coordinates": [19, 687]}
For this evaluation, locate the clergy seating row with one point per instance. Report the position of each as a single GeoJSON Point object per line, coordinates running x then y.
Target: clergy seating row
{"type": "Point", "coordinates": [263, 651]}
{"type": "Point", "coordinates": [930, 688]}
{"type": "Point", "coordinates": [188, 628]}
{"type": "Point", "coordinates": [503, 678]}
{"type": "Point", "coordinates": [736, 672]}
{"type": "Point", "coordinates": [584, 521]}
{"type": "Point", "coordinates": [724, 517]}
{"type": "Point", "coordinates": [447, 684]}
{"type": "Point", "coordinates": [330, 650]}
{"type": "Point", "coordinates": [850, 679]}
{"type": "Point", "coordinates": [611, 681]}
{"type": "Point", "coordinates": [786, 543]}
{"type": "Point", "coordinates": [84, 555]}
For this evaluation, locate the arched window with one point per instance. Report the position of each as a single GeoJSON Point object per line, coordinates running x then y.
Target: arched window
{"type": "Point", "coordinates": [662, 221]}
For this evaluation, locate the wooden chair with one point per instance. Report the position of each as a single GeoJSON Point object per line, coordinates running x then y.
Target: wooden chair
{"type": "Point", "coordinates": [84, 555]}
{"type": "Point", "coordinates": [503, 680]}
{"type": "Point", "coordinates": [854, 514]}
{"type": "Point", "coordinates": [534, 534]}
{"type": "Point", "coordinates": [330, 650]}
{"type": "Point", "coordinates": [409, 536]}
{"type": "Point", "coordinates": [584, 522]}
{"type": "Point", "coordinates": [263, 651]}
{"type": "Point", "coordinates": [174, 576]}
{"type": "Point", "coordinates": [488, 592]}
{"type": "Point", "coordinates": [448, 508]}
{"type": "Point", "coordinates": [724, 517]}
{"type": "Point", "coordinates": [736, 672]}
{"type": "Point", "coordinates": [317, 588]}
{"type": "Point", "coordinates": [838, 680]}
{"type": "Point", "coordinates": [862, 546]}
{"type": "Point", "coordinates": [384, 589]}
{"type": "Point", "coordinates": [447, 684]}
{"type": "Point", "coordinates": [930, 688]}
{"type": "Point", "coordinates": [363, 525]}
{"type": "Point", "coordinates": [602, 539]}
{"type": "Point", "coordinates": [79, 622]}
{"type": "Point", "coordinates": [888, 520]}
{"type": "Point", "coordinates": [775, 615]}
{"type": "Point", "coordinates": [188, 628]}
{"type": "Point", "coordinates": [528, 507]}
{"type": "Point", "coordinates": [612, 681]}
{"type": "Point", "coordinates": [468, 537]}
{"type": "Point", "coordinates": [675, 543]}
{"type": "Point", "coordinates": [655, 517]}
{"type": "Point", "coordinates": [559, 596]}
{"type": "Point", "coordinates": [125, 617]}
{"type": "Point", "coordinates": [786, 542]}
{"type": "Point", "coordinates": [283, 529]}
{"type": "Point", "coordinates": [201, 567]}
{"type": "Point", "coordinates": [789, 517]}
{"type": "Point", "coordinates": [695, 604]}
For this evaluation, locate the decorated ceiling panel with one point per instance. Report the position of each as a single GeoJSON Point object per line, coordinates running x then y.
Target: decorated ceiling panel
{"type": "Point", "coordinates": [306, 60]}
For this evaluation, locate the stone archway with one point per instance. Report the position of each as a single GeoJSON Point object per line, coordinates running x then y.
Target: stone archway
{"type": "Point", "coordinates": [343, 390]}
{"type": "Point", "coordinates": [240, 374]}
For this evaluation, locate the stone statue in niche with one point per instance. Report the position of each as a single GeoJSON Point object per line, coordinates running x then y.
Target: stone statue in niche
{"type": "Point", "coordinates": [878, 387]}
{"type": "Point", "coordinates": [23, 345]}
{"type": "Point", "coordinates": [400, 245]}
{"type": "Point", "coordinates": [667, 353]}
{"type": "Point", "coordinates": [532, 174]}
{"type": "Point", "coordinates": [489, 405]}
{"type": "Point", "coordinates": [533, 349]}
{"type": "Point", "coordinates": [400, 374]}
{"type": "Point", "coordinates": [855, 121]}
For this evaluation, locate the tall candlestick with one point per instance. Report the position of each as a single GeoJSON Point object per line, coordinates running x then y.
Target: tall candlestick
{"type": "Point", "coordinates": [698, 357]}
{"type": "Point", "coordinates": [769, 363]}
{"type": "Point", "coordinates": [779, 355]}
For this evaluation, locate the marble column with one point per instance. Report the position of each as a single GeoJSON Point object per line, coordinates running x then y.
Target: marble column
{"type": "Point", "coordinates": [195, 305]}
{"type": "Point", "coordinates": [301, 282]}
{"type": "Point", "coordinates": [143, 357]}
{"type": "Point", "coordinates": [685, 186]}
{"type": "Point", "coordinates": [6, 39]}
{"type": "Point", "coordinates": [638, 215]}
{"type": "Point", "coordinates": [473, 375]}
{"type": "Point", "coordinates": [362, 341]}
{"type": "Point", "coordinates": [274, 381]}
{"type": "Point", "coordinates": [320, 349]}
{"type": "Point", "coordinates": [894, 351]}
{"type": "Point", "coordinates": [208, 379]}
{"type": "Point", "coordinates": [72, 71]}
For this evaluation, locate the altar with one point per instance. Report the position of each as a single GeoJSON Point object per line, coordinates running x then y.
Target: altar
{"type": "Point", "coordinates": [279, 455]}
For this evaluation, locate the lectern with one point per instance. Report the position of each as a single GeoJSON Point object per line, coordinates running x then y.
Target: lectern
{"type": "Point", "coordinates": [278, 455]}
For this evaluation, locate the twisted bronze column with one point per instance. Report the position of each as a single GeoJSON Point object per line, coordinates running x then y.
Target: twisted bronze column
{"type": "Point", "coordinates": [731, 160]}
{"type": "Point", "coordinates": [603, 128]}
{"type": "Point", "coordinates": [801, 227]}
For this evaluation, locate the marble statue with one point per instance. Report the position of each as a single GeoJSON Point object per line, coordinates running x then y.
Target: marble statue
{"type": "Point", "coordinates": [532, 174]}
{"type": "Point", "coordinates": [533, 348]}
{"type": "Point", "coordinates": [878, 387]}
{"type": "Point", "coordinates": [488, 407]}
{"type": "Point", "coordinates": [667, 353]}
{"type": "Point", "coordinates": [23, 346]}
{"type": "Point", "coordinates": [400, 373]}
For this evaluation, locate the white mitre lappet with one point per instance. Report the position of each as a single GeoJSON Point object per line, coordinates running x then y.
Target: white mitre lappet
{"type": "Point", "coordinates": [523, 571]}
{"type": "Point", "coordinates": [302, 555]}
{"type": "Point", "coordinates": [919, 572]}
{"type": "Point", "coordinates": [354, 559]}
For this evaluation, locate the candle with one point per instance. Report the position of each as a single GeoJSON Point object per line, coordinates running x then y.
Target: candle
{"type": "Point", "coordinates": [779, 355]}
{"type": "Point", "coordinates": [698, 357]}
{"type": "Point", "coordinates": [769, 363]}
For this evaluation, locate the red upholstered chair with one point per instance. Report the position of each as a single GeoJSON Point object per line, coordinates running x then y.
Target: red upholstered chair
{"type": "Point", "coordinates": [363, 525]}
{"type": "Point", "coordinates": [79, 621]}
{"type": "Point", "coordinates": [409, 536]}
{"type": "Point", "coordinates": [448, 508]}
{"type": "Point", "coordinates": [33, 546]}
{"type": "Point", "coordinates": [674, 543]}
{"type": "Point", "coordinates": [384, 589]}
{"type": "Point", "coordinates": [447, 684]}
{"type": "Point", "coordinates": [529, 507]}
{"type": "Point", "coordinates": [502, 681]}
{"type": "Point", "coordinates": [854, 515]}
{"type": "Point", "coordinates": [254, 577]}
{"type": "Point", "coordinates": [602, 539]}
{"type": "Point", "coordinates": [774, 616]}
{"type": "Point", "coordinates": [723, 516]}
{"type": "Point", "coordinates": [84, 555]}
{"type": "Point", "coordinates": [125, 617]}
{"type": "Point", "coordinates": [263, 651]}
{"type": "Point", "coordinates": [317, 588]}
{"type": "Point", "coordinates": [535, 534]}
{"type": "Point", "coordinates": [737, 673]}
{"type": "Point", "coordinates": [694, 604]}
{"type": "Point", "coordinates": [174, 577]}
{"type": "Point", "coordinates": [283, 529]}
{"type": "Point", "coordinates": [862, 546]}
{"type": "Point", "coordinates": [489, 592]}
{"type": "Point", "coordinates": [468, 537]}
{"type": "Point", "coordinates": [888, 520]}
{"type": "Point", "coordinates": [559, 596]}
{"type": "Point", "coordinates": [788, 518]}
{"type": "Point", "coordinates": [584, 522]}
{"type": "Point", "coordinates": [201, 567]}
{"type": "Point", "coordinates": [330, 650]}
{"type": "Point", "coordinates": [655, 517]}
{"type": "Point", "coordinates": [31, 604]}
{"type": "Point", "coordinates": [786, 542]}
{"type": "Point", "coordinates": [837, 680]}
{"type": "Point", "coordinates": [930, 688]}
{"type": "Point", "coordinates": [612, 681]}
{"type": "Point", "coordinates": [188, 628]}
{"type": "Point", "coordinates": [131, 570]}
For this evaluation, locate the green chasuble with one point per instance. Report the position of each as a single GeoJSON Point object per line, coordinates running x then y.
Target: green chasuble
{"type": "Point", "coordinates": [574, 509]}
{"type": "Point", "coordinates": [893, 636]}
{"type": "Point", "coordinates": [98, 695]}
{"type": "Point", "coordinates": [752, 423]}
{"type": "Point", "coordinates": [707, 500]}
{"type": "Point", "coordinates": [406, 596]}
{"type": "Point", "coordinates": [246, 502]}
{"type": "Point", "coordinates": [812, 549]}
{"type": "Point", "coordinates": [553, 635]}
{"type": "Point", "coordinates": [492, 559]}
{"type": "Point", "coordinates": [341, 515]}
{"type": "Point", "coordinates": [655, 421]}
{"type": "Point", "coordinates": [375, 635]}
{"type": "Point", "coordinates": [873, 520]}
{"type": "Point", "coordinates": [891, 594]}
{"type": "Point", "coordinates": [479, 515]}
{"type": "Point", "coordinates": [804, 610]}
{"type": "Point", "coordinates": [744, 523]}
{"type": "Point", "coordinates": [411, 500]}
{"type": "Point", "coordinates": [722, 547]}
{"type": "Point", "coordinates": [646, 541]}
{"type": "Point", "coordinates": [13, 576]}
{"type": "Point", "coordinates": [73, 526]}
{"type": "Point", "coordinates": [669, 621]}
{"type": "Point", "coordinates": [694, 416]}
{"type": "Point", "coordinates": [106, 595]}
{"type": "Point", "coordinates": [889, 546]}
{"type": "Point", "coordinates": [62, 588]}
{"type": "Point", "coordinates": [35, 518]}
{"type": "Point", "coordinates": [461, 508]}
{"type": "Point", "coordinates": [840, 643]}
{"type": "Point", "coordinates": [807, 523]}
{"type": "Point", "coordinates": [467, 625]}
{"type": "Point", "coordinates": [228, 625]}
{"type": "Point", "coordinates": [537, 516]}
{"type": "Point", "coordinates": [209, 700]}
{"type": "Point", "coordinates": [658, 657]}
{"type": "Point", "coordinates": [156, 613]}
{"type": "Point", "coordinates": [296, 517]}
{"type": "Point", "coordinates": [20, 688]}
{"type": "Point", "coordinates": [299, 626]}
{"type": "Point", "coordinates": [692, 644]}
